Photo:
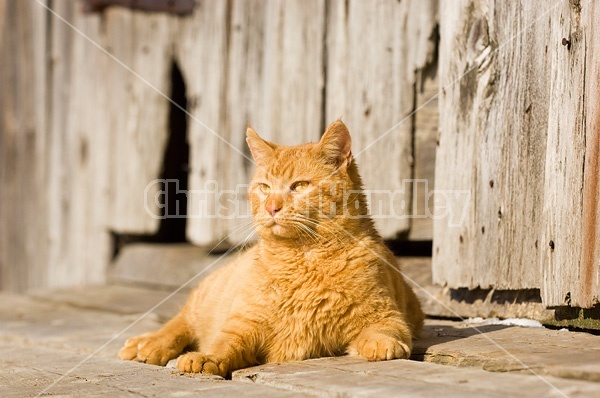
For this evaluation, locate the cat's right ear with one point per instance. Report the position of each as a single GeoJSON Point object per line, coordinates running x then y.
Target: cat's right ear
{"type": "Point", "coordinates": [335, 144]}
{"type": "Point", "coordinates": [261, 150]}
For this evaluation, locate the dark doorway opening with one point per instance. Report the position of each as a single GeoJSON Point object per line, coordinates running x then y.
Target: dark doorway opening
{"type": "Point", "coordinates": [174, 174]}
{"type": "Point", "coordinates": [175, 165]}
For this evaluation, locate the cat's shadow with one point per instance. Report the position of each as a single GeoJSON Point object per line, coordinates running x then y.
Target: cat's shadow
{"type": "Point", "coordinates": [435, 334]}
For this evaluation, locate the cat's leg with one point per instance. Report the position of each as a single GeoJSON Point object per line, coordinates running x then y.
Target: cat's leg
{"type": "Point", "coordinates": [237, 346]}
{"type": "Point", "coordinates": [388, 338]}
{"type": "Point", "coordinates": [159, 347]}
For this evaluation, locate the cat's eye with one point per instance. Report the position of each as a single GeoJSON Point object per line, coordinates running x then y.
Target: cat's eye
{"type": "Point", "coordinates": [264, 188]}
{"type": "Point", "coordinates": [299, 186]}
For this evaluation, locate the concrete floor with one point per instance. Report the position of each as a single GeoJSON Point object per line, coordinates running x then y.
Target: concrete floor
{"type": "Point", "coordinates": [65, 343]}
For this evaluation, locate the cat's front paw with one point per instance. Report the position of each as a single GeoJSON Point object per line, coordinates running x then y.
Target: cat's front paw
{"type": "Point", "coordinates": [381, 347]}
{"type": "Point", "coordinates": [150, 348]}
{"type": "Point", "coordinates": [195, 362]}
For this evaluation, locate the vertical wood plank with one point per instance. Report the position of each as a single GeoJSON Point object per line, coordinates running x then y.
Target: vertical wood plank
{"type": "Point", "coordinates": [374, 51]}
{"type": "Point", "coordinates": [425, 134]}
{"type": "Point", "coordinates": [571, 268]}
{"type": "Point", "coordinates": [86, 159]}
{"type": "Point", "coordinates": [562, 211]}
{"type": "Point", "coordinates": [203, 65]}
{"type": "Point", "coordinates": [513, 134]}
{"type": "Point", "coordinates": [422, 40]}
{"type": "Point", "coordinates": [275, 80]}
{"type": "Point", "coordinates": [365, 82]}
{"type": "Point", "coordinates": [292, 84]}
{"type": "Point", "coordinates": [452, 263]}
{"type": "Point", "coordinates": [245, 103]}
{"type": "Point", "coordinates": [22, 128]}
{"type": "Point", "coordinates": [137, 113]}
{"type": "Point", "coordinates": [60, 196]}
{"type": "Point", "coordinates": [589, 274]}
{"type": "Point", "coordinates": [493, 118]}
{"type": "Point", "coordinates": [270, 75]}
{"type": "Point", "coordinates": [469, 156]}
{"type": "Point", "coordinates": [76, 165]}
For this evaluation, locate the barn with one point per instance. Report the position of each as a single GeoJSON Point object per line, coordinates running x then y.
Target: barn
{"type": "Point", "coordinates": [475, 124]}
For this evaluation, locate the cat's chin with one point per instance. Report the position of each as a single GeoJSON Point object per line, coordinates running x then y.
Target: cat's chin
{"type": "Point", "coordinates": [275, 230]}
{"type": "Point", "coordinates": [280, 231]}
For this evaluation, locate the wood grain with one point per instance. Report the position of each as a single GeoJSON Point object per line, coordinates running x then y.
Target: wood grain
{"type": "Point", "coordinates": [22, 145]}
{"type": "Point", "coordinates": [513, 120]}
{"type": "Point", "coordinates": [371, 77]}
{"type": "Point", "coordinates": [203, 62]}
{"type": "Point", "coordinates": [81, 136]}
{"type": "Point", "coordinates": [272, 78]}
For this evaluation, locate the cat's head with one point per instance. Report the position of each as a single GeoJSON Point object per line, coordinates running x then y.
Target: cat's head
{"type": "Point", "coordinates": [304, 190]}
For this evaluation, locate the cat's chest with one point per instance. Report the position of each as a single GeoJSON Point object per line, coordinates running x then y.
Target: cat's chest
{"type": "Point", "coordinates": [308, 283]}
{"type": "Point", "coordinates": [310, 308]}
{"type": "Point", "coordinates": [314, 285]}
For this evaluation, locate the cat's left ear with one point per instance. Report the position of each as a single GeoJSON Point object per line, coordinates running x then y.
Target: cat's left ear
{"type": "Point", "coordinates": [261, 150]}
{"type": "Point", "coordinates": [336, 144]}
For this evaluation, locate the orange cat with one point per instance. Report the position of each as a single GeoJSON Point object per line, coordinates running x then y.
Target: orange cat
{"type": "Point", "coordinates": [319, 282]}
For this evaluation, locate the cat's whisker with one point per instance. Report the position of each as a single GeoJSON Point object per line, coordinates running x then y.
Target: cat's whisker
{"type": "Point", "coordinates": [227, 225]}
{"type": "Point", "coordinates": [298, 230]}
{"type": "Point", "coordinates": [242, 226]}
{"type": "Point", "coordinates": [241, 244]}
{"type": "Point", "coordinates": [311, 227]}
{"type": "Point", "coordinates": [305, 231]}
{"type": "Point", "coordinates": [300, 224]}
{"type": "Point", "coordinates": [234, 231]}
{"type": "Point", "coordinates": [316, 225]}
{"type": "Point", "coordinates": [257, 226]}
{"type": "Point", "coordinates": [307, 228]}
{"type": "Point", "coordinates": [290, 223]}
{"type": "Point", "coordinates": [245, 242]}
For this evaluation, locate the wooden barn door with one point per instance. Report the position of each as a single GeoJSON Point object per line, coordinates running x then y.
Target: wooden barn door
{"type": "Point", "coordinates": [520, 132]}
{"type": "Point", "coordinates": [87, 128]}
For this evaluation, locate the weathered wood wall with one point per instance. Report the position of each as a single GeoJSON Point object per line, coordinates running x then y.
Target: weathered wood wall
{"type": "Point", "coordinates": [22, 145]}
{"type": "Point", "coordinates": [272, 77]}
{"type": "Point", "coordinates": [372, 81]}
{"type": "Point", "coordinates": [84, 114]}
{"type": "Point", "coordinates": [80, 138]}
{"type": "Point", "coordinates": [519, 131]}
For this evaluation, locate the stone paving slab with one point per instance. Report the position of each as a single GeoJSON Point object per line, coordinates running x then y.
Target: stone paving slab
{"type": "Point", "coordinates": [31, 322]}
{"type": "Point", "coordinates": [44, 336]}
{"type": "Point", "coordinates": [30, 372]}
{"type": "Point", "coordinates": [347, 376]}
{"type": "Point", "coordinates": [171, 265]}
{"type": "Point", "coordinates": [494, 347]}
{"type": "Point", "coordinates": [27, 372]}
{"type": "Point", "coordinates": [120, 299]}
{"type": "Point", "coordinates": [558, 353]}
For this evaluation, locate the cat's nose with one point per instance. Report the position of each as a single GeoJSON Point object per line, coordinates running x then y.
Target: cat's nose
{"type": "Point", "coordinates": [273, 208]}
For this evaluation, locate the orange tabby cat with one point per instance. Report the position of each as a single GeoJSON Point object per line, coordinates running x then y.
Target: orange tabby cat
{"type": "Point", "coordinates": [319, 282]}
